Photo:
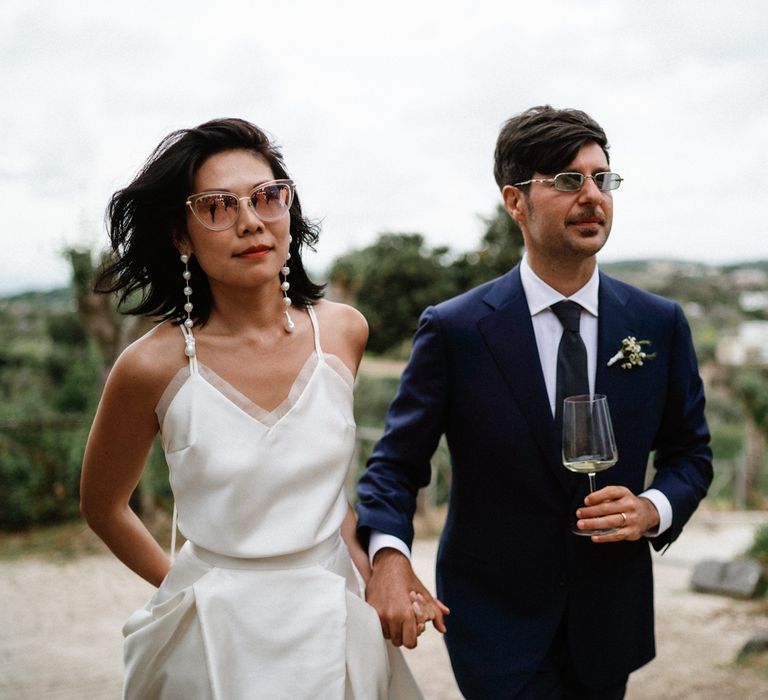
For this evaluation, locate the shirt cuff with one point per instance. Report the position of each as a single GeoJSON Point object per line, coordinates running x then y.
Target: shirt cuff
{"type": "Point", "coordinates": [663, 506]}
{"type": "Point", "coordinates": [380, 540]}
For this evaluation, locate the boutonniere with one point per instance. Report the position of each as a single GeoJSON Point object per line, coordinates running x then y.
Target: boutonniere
{"type": "Point", "coordinates": [632, 353]}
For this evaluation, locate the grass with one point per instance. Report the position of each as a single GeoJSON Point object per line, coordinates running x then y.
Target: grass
{"type": "Point", "coordinates": [67, 541]}
{"type": "Point", "coordinates": [58, 542]}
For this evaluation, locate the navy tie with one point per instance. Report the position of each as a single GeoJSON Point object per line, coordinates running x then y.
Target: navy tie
{"type": "Point", "coordinates": [572, 377]}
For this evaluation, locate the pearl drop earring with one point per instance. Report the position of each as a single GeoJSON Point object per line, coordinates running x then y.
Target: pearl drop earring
{"type": "Point", "coordinates": [189, 350]}
{"type": "Point", "coordinates": [285, 286]}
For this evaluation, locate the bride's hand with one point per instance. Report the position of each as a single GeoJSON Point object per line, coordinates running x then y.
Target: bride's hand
{"type": "Point", "coordinates": [425, 611]}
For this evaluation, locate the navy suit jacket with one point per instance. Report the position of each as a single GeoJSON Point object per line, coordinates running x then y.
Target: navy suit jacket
{"type": "Point", "coordinates": [508, 567]}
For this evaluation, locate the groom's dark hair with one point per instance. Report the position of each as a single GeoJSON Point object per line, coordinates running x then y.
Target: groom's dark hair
{"type": "Point", "coordinates": [543, 139]}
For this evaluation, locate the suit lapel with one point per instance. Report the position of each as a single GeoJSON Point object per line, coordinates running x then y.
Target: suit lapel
{"type": "Point", "coordinates": [614, 324]}
{"type": "Point", "coordinates": [508, 333]}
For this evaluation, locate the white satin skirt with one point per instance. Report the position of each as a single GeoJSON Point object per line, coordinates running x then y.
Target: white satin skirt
{"type": "Point", "coordinates": [288, 627]}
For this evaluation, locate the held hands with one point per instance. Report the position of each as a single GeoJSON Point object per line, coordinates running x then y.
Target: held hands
{"type": "Point", "coordinates": [423, 610]}
{"type": "Point", "coordinates": [403, 603]}
{"type": "Point", "coordinates": [617, 507]}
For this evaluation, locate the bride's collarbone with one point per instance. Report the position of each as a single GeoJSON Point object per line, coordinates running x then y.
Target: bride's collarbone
{"type": "Point", "coordinates": [265, 378]}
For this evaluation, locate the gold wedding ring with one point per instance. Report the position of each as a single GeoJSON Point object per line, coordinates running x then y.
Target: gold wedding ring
{"type": "Point", "coordinates": [625, 519]}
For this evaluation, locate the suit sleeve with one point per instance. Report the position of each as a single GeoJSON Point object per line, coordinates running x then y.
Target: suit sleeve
{"type": "Point", "coordinates": [683, 458]}
{"type": "Point", "coordinates": [400, 463]}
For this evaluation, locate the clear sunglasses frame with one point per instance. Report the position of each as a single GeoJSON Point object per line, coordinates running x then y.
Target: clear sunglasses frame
{"type": "Point", "coordinates": [573, 182]}
{"type": "Point", "coordinates": [249, 198]}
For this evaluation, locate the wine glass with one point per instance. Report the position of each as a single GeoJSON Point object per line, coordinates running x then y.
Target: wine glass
{"type": "Point", "coordinates": [588, 443]}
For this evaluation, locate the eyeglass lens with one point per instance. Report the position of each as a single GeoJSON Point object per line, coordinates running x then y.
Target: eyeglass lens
{"type": "Point", "coordinates": [219, 210]}
{"type": "Point", "coordinates": [570, 182]}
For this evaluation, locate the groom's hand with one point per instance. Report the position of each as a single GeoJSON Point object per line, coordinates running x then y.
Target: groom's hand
{"type": "Point", "coordinates": [389, 591]}
{"type": "Point", "coordinates": [617, 507]}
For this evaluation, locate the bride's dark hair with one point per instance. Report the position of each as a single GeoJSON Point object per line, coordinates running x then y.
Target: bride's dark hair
{"type": "Point", "coordinates": [146, 217]}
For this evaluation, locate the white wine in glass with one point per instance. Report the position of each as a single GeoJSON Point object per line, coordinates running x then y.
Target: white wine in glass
{"type": "Point", "coordinates": [588, 443]}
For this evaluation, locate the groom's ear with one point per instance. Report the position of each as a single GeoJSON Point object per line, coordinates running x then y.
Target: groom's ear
{"type": "Point", "coordinates": [515, 204]}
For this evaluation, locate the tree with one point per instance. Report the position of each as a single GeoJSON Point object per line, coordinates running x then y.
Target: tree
{"type": "Point", "coordinates": [500, 250]}
{"type": "Point", "coordinates": [502, 244]}
{"type": "Point", "coordinates": [751, 388]}
{"type": "Point", "coordinates": [111, 331]}
{"type": "Point", "coordinates": [391, 282]}
{"type": "Point", "coordinates": [396, 278]}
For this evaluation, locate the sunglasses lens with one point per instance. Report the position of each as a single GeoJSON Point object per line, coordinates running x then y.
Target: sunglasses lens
{"type": "Point", "coordinates": [216, 211]}
{"type": "Point", "coordinates": [607, 181]}
{"type": "Point", "coordinates": [272, 201]}
{"type": "Point", "coordinates": [568, 182]}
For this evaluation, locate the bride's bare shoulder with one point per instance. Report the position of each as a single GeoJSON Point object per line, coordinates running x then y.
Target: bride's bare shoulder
{"type": "Point", "coordinates": [344, 331]}
{"type": "Point", "coordinates": [149, 363]}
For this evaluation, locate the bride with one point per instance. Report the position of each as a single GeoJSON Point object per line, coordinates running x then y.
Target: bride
{"type": "Point", "coordinates": [248, 380]}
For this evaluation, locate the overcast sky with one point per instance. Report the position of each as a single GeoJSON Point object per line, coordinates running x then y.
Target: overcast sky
{"type": "Point", "coordinates": [387, 113]}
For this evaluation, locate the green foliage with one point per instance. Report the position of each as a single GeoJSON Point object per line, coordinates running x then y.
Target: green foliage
{"type": "Point", "coordinates": [727, 440]}
{"type": "Point", "coordinates": [759, 547]}
{"type": "Point", "coordinates": [392, 282]}
{"type": "Point", "coordinates": [49, 385]}
{"type": "Point", "coordinates": [66, 330]}
{"type": "Point", "coordinates": [40, 474]}
{"type": "Point", "coordinates": [372, 398]}
{"type": "Point", "coordinates": [155, 478]}
{"type": "Point", "coordinates": [726, 424]}
{"type": "Point", "coordinates": [82, 270]}
{"type": "Point", "coordinates": [502, 244]}
{"type": "Point", "coordinates": [751, 386]}
{"type": "Point", "coordinates": [51, 371]}
{"type": "Point", "coordinates": [373, 394]}
{"type": "Point", "coordinates": [396, 278]}
{"type": "Point", "coordinates": [705, 339]}
{"type": "Point", "coordinates": [722, 408]}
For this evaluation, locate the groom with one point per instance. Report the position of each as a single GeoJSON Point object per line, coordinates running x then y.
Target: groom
{"type": "Point", "coordinates": [536, 611]}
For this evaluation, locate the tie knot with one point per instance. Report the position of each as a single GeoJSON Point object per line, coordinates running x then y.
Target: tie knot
{"type": "Point", "coordinates": [568, 313]}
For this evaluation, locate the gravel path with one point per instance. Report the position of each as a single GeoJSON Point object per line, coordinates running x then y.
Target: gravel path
{"type": "Point", "coordinates": [60, 625]}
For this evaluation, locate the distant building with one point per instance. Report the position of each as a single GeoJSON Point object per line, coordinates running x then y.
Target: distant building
{"type": "Point", "coordinates": [748, 347]}
{"type": "Point", "coordinates": [749, 278]}
{"type": "Point", "coordinates": [753, 301]}
{"type": "Point", "coordinates": [693, 309]}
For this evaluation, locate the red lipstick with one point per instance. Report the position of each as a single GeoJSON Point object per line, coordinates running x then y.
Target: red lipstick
{"type": "Point", "coordinates": [254, 251]}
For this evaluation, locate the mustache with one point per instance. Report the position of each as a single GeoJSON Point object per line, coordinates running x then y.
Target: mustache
{"type": "Point", "coordinates": [587, 215]}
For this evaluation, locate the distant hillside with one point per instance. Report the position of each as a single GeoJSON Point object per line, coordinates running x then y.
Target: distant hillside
{"type": "Point", "coordinates": [651, 272]}
{"type": "Point", "coordinates": [52, 300]}
{"type": "Point", "coordinates": [645, 265]}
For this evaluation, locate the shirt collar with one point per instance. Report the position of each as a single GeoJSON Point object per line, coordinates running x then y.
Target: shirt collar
{"type": "Point", "coordinates": [541, 296]}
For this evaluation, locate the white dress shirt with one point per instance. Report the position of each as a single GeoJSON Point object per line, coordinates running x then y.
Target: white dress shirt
{"type": "Point", "coordinates": [547, 330]}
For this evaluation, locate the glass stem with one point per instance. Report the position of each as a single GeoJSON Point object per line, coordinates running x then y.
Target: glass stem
{"type": "Point", "coordinates": [592, 482]}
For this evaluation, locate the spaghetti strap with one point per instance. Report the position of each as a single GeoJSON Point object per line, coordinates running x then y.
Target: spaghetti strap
{"type": "Point", "coordinates": [189, 348]}
{"type": "Point", "coordinates": [316, 328]}
{"type": "Point", "coordinates": [174, 529]}
{"type": "Point", "coordinates": [260, 505]}
{"type": "Point", "coordinates": [189, 351]}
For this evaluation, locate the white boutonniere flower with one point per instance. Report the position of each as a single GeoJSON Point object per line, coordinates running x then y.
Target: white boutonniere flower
{"type": "Point", "coordinates": [632, 353]}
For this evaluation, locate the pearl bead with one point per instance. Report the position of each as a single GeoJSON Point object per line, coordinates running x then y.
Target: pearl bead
{"type": "Point", "coordinates": [185, 258]}
{"type": "Point", "coordinates": [285, 286]}
{"type": "Point", "coordinates": [188, 307]}
{"type": "Point", "coordinates": [186, 274]}
{"type": "Point", "coordinates": [286, 270]}
{"type": "Point", "coordinates": [187, 291]}
{"type": "Point", "coordinates": [189, 323]}
{"type": "Point", "coordinates": [287, 301]}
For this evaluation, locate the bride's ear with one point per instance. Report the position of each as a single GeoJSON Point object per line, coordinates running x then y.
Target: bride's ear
{"type": "Point", "coordinates": [181, 243]}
